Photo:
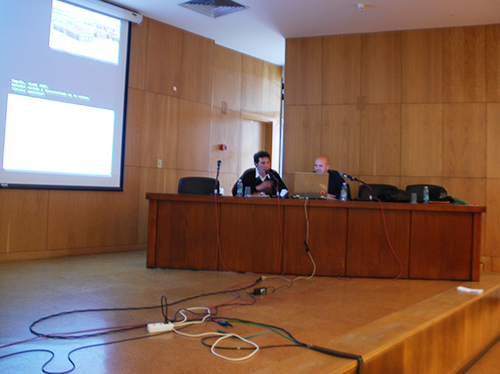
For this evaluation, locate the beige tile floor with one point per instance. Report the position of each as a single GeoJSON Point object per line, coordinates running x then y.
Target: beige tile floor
{"type": "Point", "coordinates": [313, 310]}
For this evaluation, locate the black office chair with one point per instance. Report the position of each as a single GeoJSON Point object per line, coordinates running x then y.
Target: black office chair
{"type": "Point", "coordinates": [436, 193]}
{"type": "Point", "coordinates": [196, 186]}
{"type": "Point", "coordinates": [383, 192]}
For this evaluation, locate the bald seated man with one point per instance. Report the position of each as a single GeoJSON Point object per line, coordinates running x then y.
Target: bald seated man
{"type": "Point", "coordinates": [322, 165]}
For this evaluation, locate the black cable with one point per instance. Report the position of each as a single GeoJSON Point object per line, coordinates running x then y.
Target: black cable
{"type": "Point", "coordinates": [162, 306]}
{"type": "Point", "coordinates": [38, 350]}
{"type": "Point", "coordinates": [327, 351]}
{"type": "Point", "coordinates": [215, 293]}
{"type": "Point", "coordinates": [78, 349]}
{"type": "Point", "coordinates": [57, 336]}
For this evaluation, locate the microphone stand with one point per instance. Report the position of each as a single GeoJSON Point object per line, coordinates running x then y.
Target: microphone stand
{"type": "Point", "coordinates": [217, 186]}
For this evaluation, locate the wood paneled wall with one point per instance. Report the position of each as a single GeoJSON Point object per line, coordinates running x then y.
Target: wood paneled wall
{"type": "Point", "coordinates": [186, 96]}
{"type": "Point", "coordinates": [402, 108]}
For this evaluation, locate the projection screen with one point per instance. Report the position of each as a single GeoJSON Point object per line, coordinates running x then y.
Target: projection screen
{"type": "Point", "coordinates": [63, 81]}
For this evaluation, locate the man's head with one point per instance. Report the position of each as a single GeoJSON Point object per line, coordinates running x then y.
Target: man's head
{"type": "Point", "coordinates": [322, 164]}
{"type": "Point", "coordinates": [262, 161]}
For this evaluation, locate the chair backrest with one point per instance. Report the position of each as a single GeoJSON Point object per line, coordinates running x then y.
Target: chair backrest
{"type": "Point", "coordinates": [196, 186]}
{"type": "Point", "coordinates": [364, 191]}
{"type": "Point", "coordinates": [383, 192]}
{"type": "Point", "coordinates": [436, 193]}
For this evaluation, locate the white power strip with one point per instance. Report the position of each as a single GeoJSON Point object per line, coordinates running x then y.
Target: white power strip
{"type": "Point", "coordinates": [160, 327]}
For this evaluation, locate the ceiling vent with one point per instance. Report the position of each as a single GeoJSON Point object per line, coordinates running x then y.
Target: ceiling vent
{"type": "Point", "coordinates": [213, 8]}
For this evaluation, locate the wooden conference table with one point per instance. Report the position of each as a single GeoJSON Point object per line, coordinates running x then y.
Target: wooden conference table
{"type": "Point", "coordinates": [348, 239]}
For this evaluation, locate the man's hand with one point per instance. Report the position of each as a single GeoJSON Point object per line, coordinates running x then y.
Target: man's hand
{"type": "Point", "coordinates": [267, 187]}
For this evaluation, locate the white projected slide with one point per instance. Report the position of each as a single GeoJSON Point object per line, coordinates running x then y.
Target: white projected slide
{"type": "Point", "coordinates": [54, 137]}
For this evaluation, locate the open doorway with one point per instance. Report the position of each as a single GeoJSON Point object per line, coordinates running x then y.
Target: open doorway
{"type": "Point", "coordinates": [259, 133]}
{"type": "Point", "coordinates": [255, 136]}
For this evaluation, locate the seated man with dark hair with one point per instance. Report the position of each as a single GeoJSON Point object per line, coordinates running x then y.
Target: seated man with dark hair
{"type": "Point", "coordinates": [322, 165]}
{"type": "Point", "coordinates": [262, 180]}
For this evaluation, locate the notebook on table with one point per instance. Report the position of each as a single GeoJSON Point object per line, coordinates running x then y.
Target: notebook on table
{"type": "Point", "coordinates": [310, 185]}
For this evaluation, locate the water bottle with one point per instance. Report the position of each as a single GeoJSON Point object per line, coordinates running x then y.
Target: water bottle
{"type": "Point", "coordinates": [426, 195]}
{"type": "Point", "coordinates": [343, 192]}
{"type": "Point", "coordinates": [239, 188]}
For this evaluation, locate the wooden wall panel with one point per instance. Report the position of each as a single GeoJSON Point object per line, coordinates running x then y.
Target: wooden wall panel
{"type": "Point", "coordinates": [197, 68]}
{"type": "Point", "coordinates": [438, 181]}
{"type": "Point", "coordinates": [133, 132]}
{"type": "Point", "coordinates": [493, 140]}
{"type": "Point", "coordinates": [464, 75]}
{"type": "Point", "coordinates": [252, 84]}
{"type": "Point", "coordinates": [72, 220]}
{"type": "Point", "coordinates": [303, 72]}
{"type": "Point", "coordinates": [303, 139]}
{"type": "Point", "coordinates": [493, 218]}
{"type": "Point", "coordinates": [472, 190]}
{"type": "Point", "coordinates": [380, 146]}
{"type": "Point", "coordinates": [341, 69]}
{"type": "Point", "coordinates": [137, 58]}
{"type": "Point", "coordinates": [422, 71]}
{"type": "Point", "coordinates": [492, 63]}
{"type": "Point", "coordinates": [118, 212]}
{"type": "Point", "coordinates": [23, 220]}
{"type": "Point", "coordinates": [271, 91]}
{"type": "Point", "coordinates": [381, 67]}
{"type": "Point", "coordinates": [464, 140]}
{"type": "Point", "coordinates": [227, 182]}
{"type": "Point", "coordinates": [193, 149]}
{"type": "Point", "coordinates": [159, 129]}
{"type": "Point", "coordinates": [226, 129]}
{"type": "Point", "coordinates": [152, 180]}
{"type": "Point", "coordinates": [164, 58]}
{"type": "Point", "coordinates": [227, 78]}
{"type": "Point", "coordinates": [422, 140]}
{"type": "Point", "coordinates": [340, 137]}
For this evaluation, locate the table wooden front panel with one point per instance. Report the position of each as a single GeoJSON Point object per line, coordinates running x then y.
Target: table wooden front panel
{"type": "Point", "coordinates": [441, 246]}
{"type": "Point", "coordinates": [186, 235]}
{"type": "Point", "coordinates": [345, 238]}
{"type": "Point", "coordinates": [250, 236]}
{"type": "Point", "coordinates": [368, 251]}
{"type": "Point", "coordinates": [327, 240]}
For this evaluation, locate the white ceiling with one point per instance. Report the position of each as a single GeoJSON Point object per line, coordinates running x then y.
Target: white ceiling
{"type": "Point", "coordinates": [260, 30]}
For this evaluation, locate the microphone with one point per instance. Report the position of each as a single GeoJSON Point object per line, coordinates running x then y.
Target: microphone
{"type": "Point", "coordinates": [271, 176]}
{"type": "Point", "coordinates": [351, 178]}
{"type": "Point", "coordinates": [217, 184]}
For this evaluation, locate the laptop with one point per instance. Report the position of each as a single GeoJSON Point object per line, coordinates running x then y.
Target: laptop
{"type": "Point", "coordinates": [310, 185]}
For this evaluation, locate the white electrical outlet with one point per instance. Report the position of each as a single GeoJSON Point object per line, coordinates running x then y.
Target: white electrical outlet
{"type": "Point", "coordinates": [160, 163]}
{"type": "Point", "coordinates": [159, 327]}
